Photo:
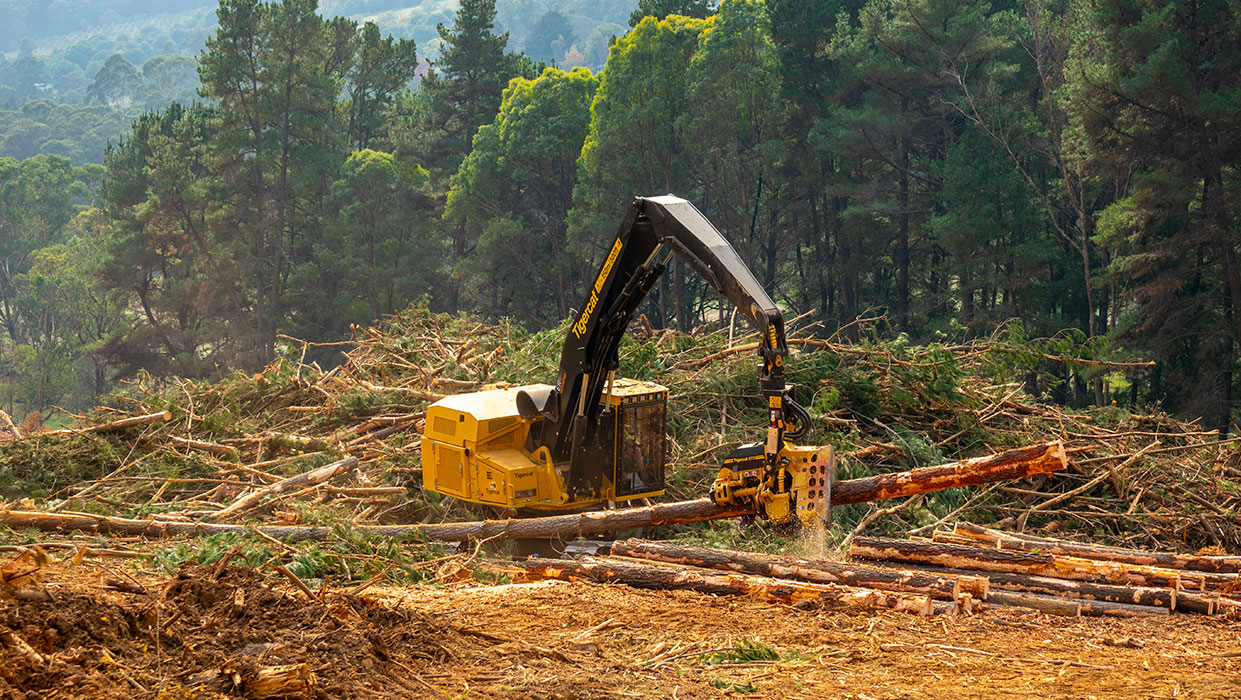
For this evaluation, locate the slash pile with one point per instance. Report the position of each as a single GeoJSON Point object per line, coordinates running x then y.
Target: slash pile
{"type": "Point", "coordinates": [244, 447]}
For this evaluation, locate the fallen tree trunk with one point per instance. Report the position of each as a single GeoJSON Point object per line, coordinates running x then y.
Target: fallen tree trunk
{"type": "Point", "coordinates": [944, 587]}
{"type": "Point", "coordinates": [1051, 605]}
{"type": "Point", "coordinates": [568, 526]}
{"type": "Point", "coordinates": [1075, 568]}
{"type": "Point", "coordinates": [1020, 542]}
{"type": "Point", "coordinates": [1169, 598]}
{"type": "Point", "coordinates": [667, 578]}
{"type": "Point", "coordinates": [310, 478]}
{"type": "Point", "coordinates": [112, 426]}
{"type": "Point", "coordinates": [1006, 466]}
{"type": "Point", "coordinates": [1009, 465]}
{"type": "Point", "coordinates": [1070, 607]}
{"type": "Point", "coordinates": [212, 447]}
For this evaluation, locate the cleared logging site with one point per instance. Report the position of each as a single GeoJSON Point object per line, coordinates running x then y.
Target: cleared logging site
{"type": "Point", "coordinates": [268, 535]}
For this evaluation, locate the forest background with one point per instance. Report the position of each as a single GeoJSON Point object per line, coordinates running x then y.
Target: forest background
{"type": "Point", "coordinates": [187, 185]}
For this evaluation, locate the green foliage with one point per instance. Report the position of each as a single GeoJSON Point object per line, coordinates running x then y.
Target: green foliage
{"type": "Point", "coordinates": [516, 188]}
{"type": "Point", "coordinates": [41, 467]}
{"type": "Point", "coordinates": [631, 147]}
{"type": "Point", "coordinates": [743, 651]}
{"type": "Point", "coordinates": [347, 556]}
{"type": "Point", "coordinates": [1148, 81]}
{"type": "Point", "coordinates": [117, 83]}
{"type": "Point", "coordinates": [462, 91]}
{"type": "Point", "coordinates": [956, 166]}
{"type": "Point", "coordinates": [735, 686]}
{"type": "Point", "coordinates": [660, 9]}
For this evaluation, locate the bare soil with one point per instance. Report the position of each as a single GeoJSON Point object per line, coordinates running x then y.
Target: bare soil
{"type": "Point", "coordinates": [203, 634]}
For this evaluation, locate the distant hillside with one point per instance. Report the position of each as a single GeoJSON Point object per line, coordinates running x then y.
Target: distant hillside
{"type": "Point", "coordinates": [86, 32]}
{"type": "Point", "coordinates": [53, 51]}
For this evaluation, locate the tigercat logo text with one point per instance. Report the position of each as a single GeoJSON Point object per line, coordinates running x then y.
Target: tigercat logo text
{"type": "Point", "coordinates": [580, 327]}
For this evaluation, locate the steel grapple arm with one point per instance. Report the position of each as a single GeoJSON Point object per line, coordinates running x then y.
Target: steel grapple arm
{"type": "Point", "coordinates": [653, 230]}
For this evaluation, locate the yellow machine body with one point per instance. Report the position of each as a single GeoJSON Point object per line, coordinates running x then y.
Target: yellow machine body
{"type": "Point", "coordinates": [800, 487]}
{"type": "Point", "coordinates": [475, 448]}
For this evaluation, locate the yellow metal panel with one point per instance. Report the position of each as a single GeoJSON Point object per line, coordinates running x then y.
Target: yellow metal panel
{"type": "Point", "coordinates": [445, 468]}
{"type": "Point", "coordinates": [519, 472]}
{"type": "Point", "coordinates": [444, 425]}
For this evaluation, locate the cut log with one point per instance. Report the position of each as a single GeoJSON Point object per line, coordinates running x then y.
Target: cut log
{"type": "Point", "coordinates": [112, 426]}
{"type": "Point", "coordinates": [1020, 542]}
{"type": "Point", "coordinates": [1075, 568]}
{"type": "Point", "coordinates": [1010, 465]}
{"type": "Point", "coordinates": [1014, 464]}
{"type": "Point", "coordinates": [289, 681]}
{"type": "Point", "coordinates": [1178, 601]}
{"type": "Point", "coordinates": [1099, 608]}
{"type": "Point", "coordinates": [310, 478]}
{"type": "Point", "coordinates": [1042, 603]}
{"type": "Point", "coordinates": [212, 447]}
{"type": "Point", "coordinates": [566, 526]}
{"type": "Point", "coordinates": [602, 570]}
{"type": "Point", "coordinates": [1070, 607]}
{"type": "Point", "coordinates": [948, 587]}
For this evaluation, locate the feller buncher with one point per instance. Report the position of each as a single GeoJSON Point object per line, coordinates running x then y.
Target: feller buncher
{"type": "Point", "coordinates": [594, 438]}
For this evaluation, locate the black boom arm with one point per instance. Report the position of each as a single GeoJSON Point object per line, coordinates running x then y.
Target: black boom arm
{"type": "Point", "coordinates": [654, 229]}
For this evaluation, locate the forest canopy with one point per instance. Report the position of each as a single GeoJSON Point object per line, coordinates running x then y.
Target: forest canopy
{"type": "Point", "coordinates": [1065, 170]}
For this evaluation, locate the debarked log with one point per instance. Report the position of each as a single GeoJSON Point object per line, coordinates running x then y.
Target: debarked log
{"type": "Point", "coordinates": [1075, 568]}
{"type": "Point", "coordinates": [603, 570]}
{"type": "Point", "coordinates": [944, 587]}
{"type": "Point", "coordinates": [1021, 542]}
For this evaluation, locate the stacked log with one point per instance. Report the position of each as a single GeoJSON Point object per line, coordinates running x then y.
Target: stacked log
{"type": "Point", "coordinates": [1029, 543]}
{"type": "Point", "coordinates": [607, 570]}
{"type": "Point", "coordinates": [1036, 563]}
{"type": "Point", "coordinates": [939, 586]}
{"type": "Point", "coordinates": [1036, 573]}
{"type": "Point", "coordinates": [996, 578]}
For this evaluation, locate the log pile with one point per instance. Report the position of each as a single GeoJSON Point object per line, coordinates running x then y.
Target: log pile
{"type": "Point", "coordinates": [1035, 571]}
{"type": "Point", "coordinates": [917, 576]}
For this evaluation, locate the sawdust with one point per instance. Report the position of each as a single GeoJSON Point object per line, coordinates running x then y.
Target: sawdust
{"type": "Point", "coordinates": [999, 654]}
{"type": "Point", "coordinates": [192, 635]}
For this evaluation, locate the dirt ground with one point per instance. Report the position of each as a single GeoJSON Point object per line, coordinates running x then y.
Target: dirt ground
{"type": "Point", "coordinates": [206, 633]}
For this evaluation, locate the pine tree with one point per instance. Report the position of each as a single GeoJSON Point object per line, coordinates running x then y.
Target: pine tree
{"type": "Point", "coordinates": [1156, 89]}
{"type": "Point", "coordinates": [383, 69]}
{"type": "Point", "coordinates": [463, 88]}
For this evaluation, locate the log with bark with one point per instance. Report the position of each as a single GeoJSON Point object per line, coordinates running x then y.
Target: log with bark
{"type": "Point", "coordinates": [568, 526]}
{"type": "Point", "coordinates": [1053, 605]}
{"type": "Point", "coordinates": [604, 570]}
{"type": "Point", "coordinates": [944, 587]}
{"type": "Point", "coordinates": [1169, 598]}
{"type": "Point", "coordinates": [1006, 466]}
{"type": "Point", "coordinates": [1009, 465]}
{"type": "Point", "coordinates": [1075, 568]}
{"type": "Point", "coordinates": [1027, 543]}
{"type": "Point", "coordinates": [310, 478]}
{"type": "Point", "coordinates": [109, 427]}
